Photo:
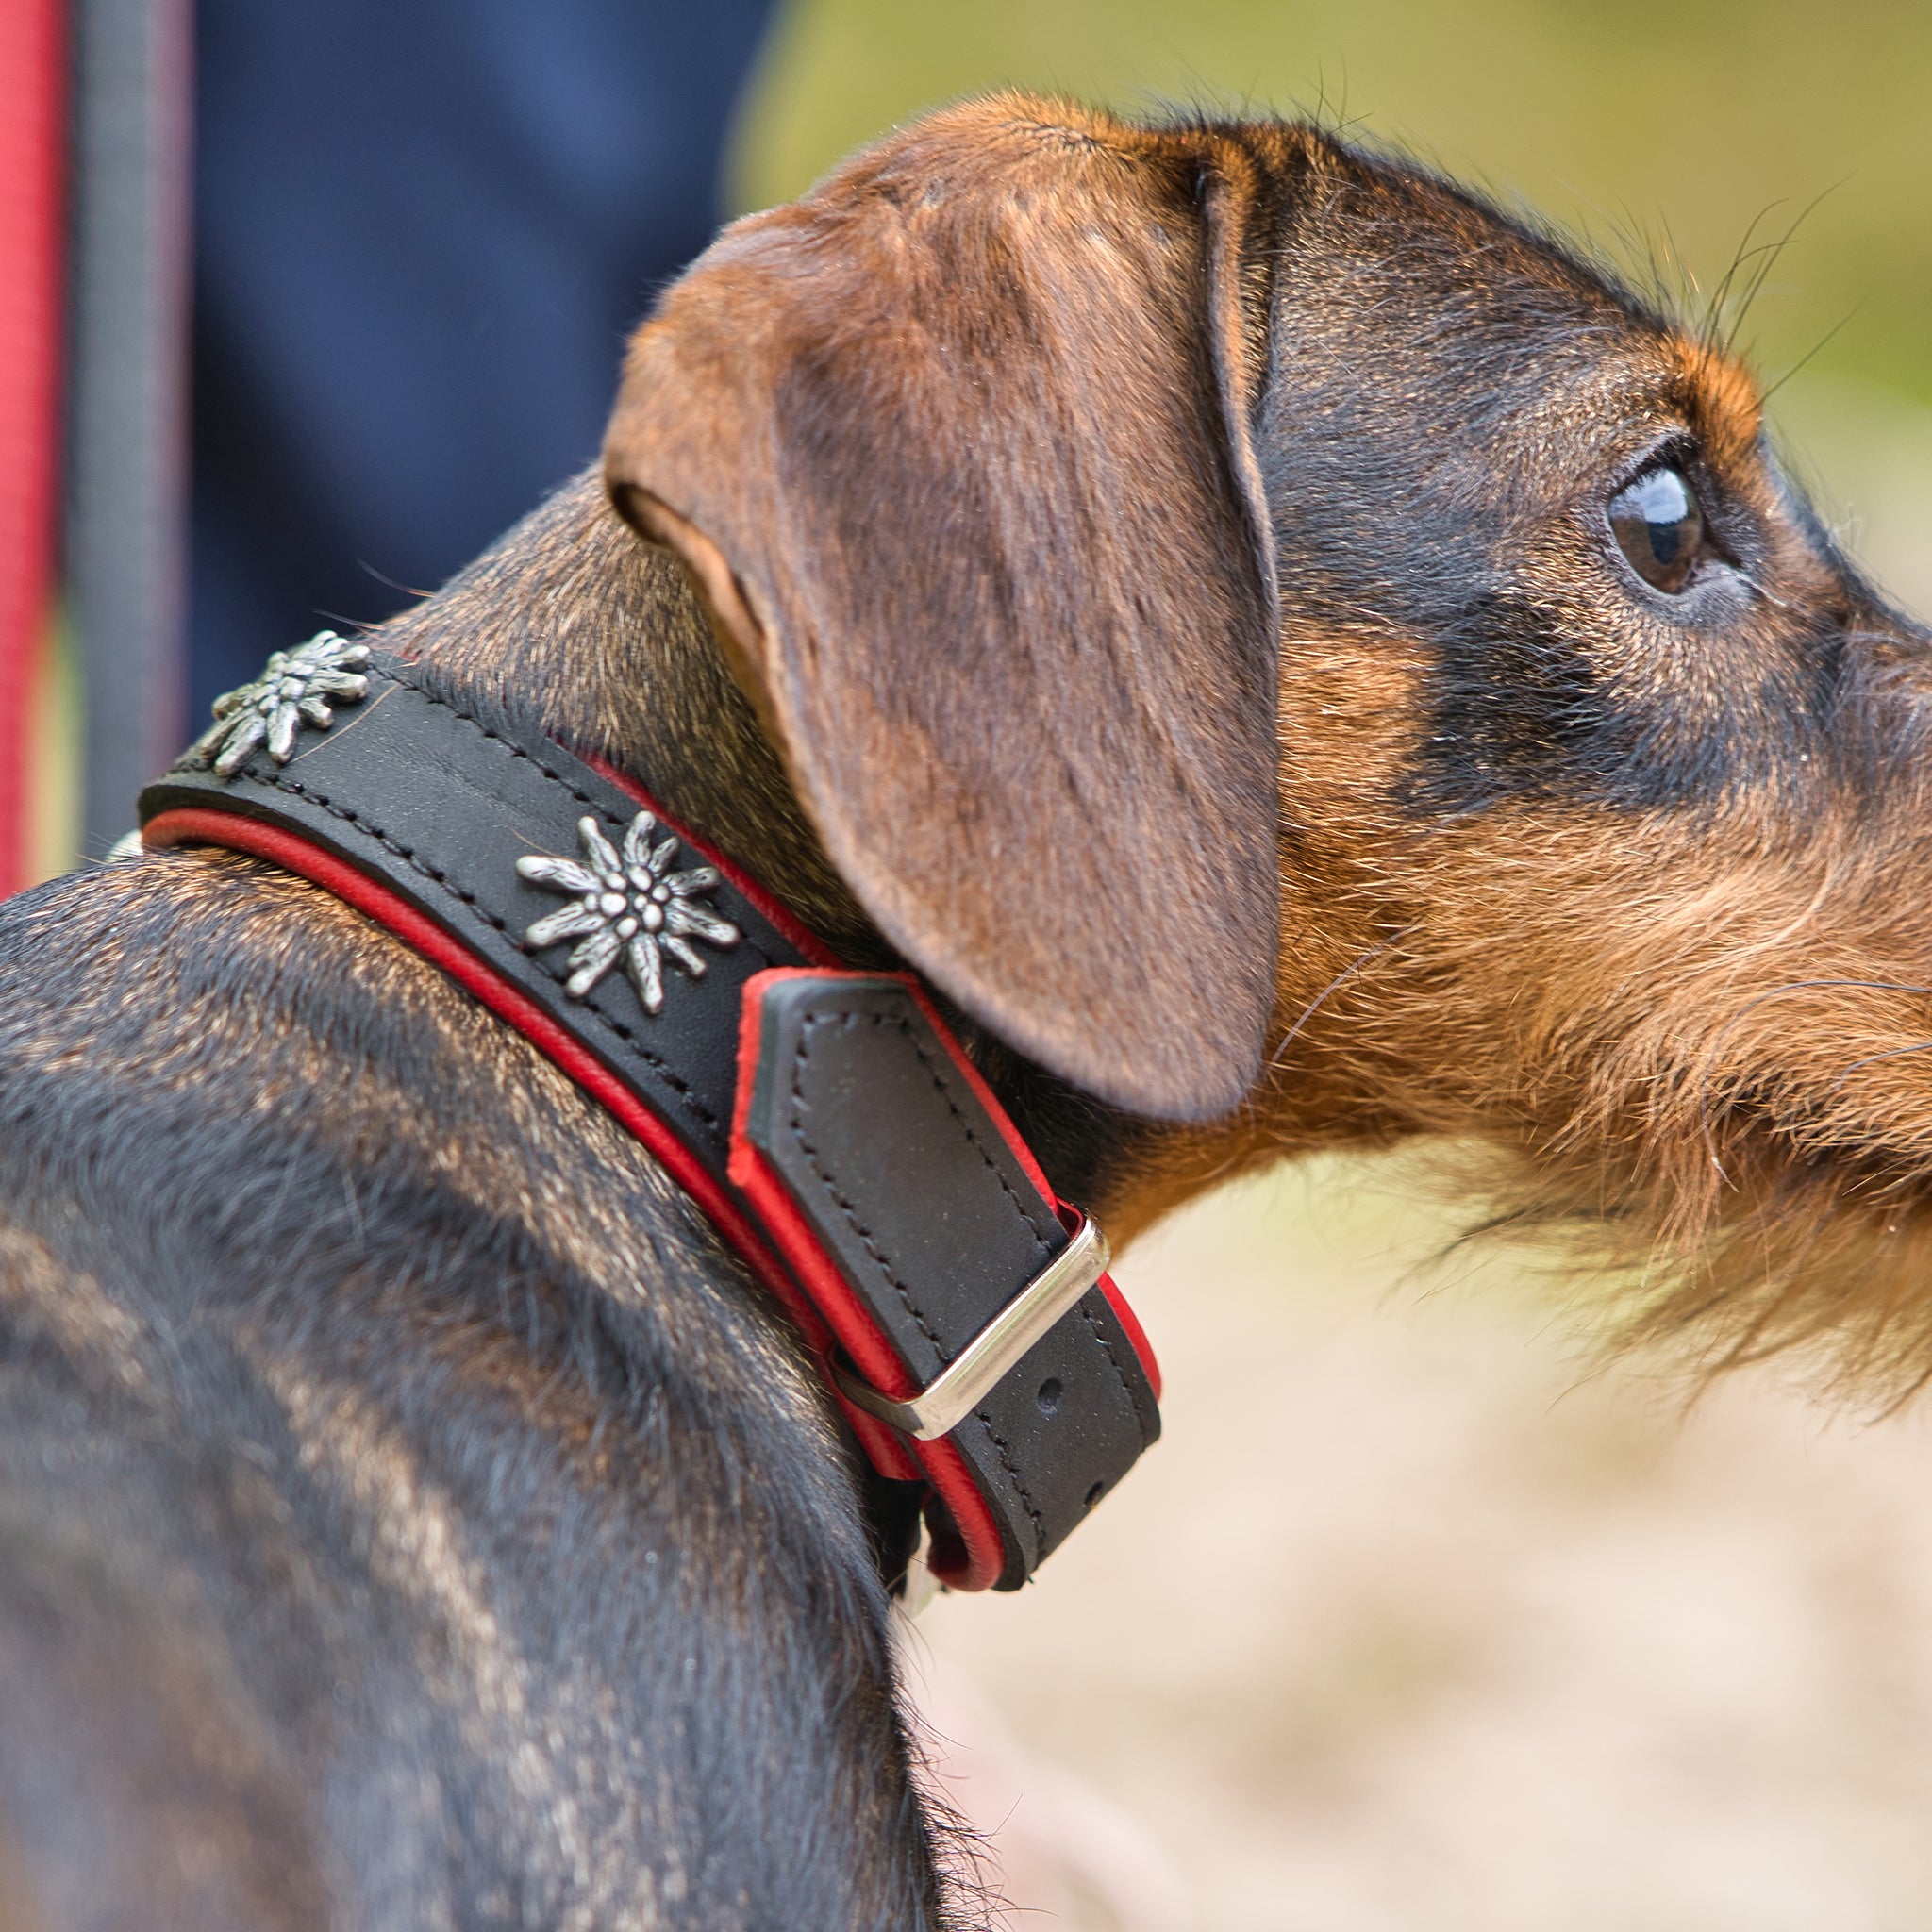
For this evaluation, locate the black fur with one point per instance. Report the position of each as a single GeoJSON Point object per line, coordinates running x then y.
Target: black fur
{"type": "Point", "coordinates": [370, 1396]}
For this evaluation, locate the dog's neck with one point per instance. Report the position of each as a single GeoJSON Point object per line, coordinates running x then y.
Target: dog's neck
{"type": "Point", "coordinates": [574, 624]}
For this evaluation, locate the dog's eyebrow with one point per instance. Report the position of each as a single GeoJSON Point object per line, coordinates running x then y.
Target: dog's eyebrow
{"type": "Point", "coordinates": [1721, 396]}
{"type": "Point", "coordinates": [1641, 406]}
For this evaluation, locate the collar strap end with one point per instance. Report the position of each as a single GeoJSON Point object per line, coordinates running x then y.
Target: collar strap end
{"type": "Point", "coordinates": [974, 1314]}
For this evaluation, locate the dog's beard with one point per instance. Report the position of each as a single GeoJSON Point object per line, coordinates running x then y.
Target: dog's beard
{"type": "Point", "coordinates": [1708, 1108]}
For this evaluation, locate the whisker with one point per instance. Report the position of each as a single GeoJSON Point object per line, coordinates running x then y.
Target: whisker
{"type": "Point", "coordinates": [1745, 1012]}
{"type": "Point", "coordinates": [1341, 979]}
{"type": "Point", "coordinates": [1772, 388]}
{"type": "Point", "coordinates": [1896, 1053]}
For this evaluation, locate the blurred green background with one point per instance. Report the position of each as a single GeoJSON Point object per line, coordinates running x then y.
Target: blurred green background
{"type": "Point", "coordinates": [1684, 121]}
{"type": "Point", "coordinates": [1674, 135]}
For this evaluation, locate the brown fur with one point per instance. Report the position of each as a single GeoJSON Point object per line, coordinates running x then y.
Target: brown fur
{"type": "Point", "coordinates": [1158, 583]}
{"type": "Point", "coordinates": [974, 656]}
{"type": "Point", "coordinates": [963, 452]}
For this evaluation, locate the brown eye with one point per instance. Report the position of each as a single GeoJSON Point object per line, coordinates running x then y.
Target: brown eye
{"type": "Point", "coordinates": [1659, 527]}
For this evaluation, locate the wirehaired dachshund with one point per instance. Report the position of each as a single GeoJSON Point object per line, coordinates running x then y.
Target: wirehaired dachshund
{"type": "Point", "coordinates": [1289, 655]}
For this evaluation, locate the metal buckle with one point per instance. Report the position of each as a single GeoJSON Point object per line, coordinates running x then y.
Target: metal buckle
{"type": "Point", "coordinates": [967, 1380]}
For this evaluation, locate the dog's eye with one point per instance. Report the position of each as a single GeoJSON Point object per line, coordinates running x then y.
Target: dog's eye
{"type": "Point", "coordinates": [1659, 527]}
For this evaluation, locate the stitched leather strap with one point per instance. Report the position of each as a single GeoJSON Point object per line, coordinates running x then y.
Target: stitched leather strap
{"type": "Point", "coordinates": [859, 1117]}
{"type": "Point", "coordinates": [877, 1187]}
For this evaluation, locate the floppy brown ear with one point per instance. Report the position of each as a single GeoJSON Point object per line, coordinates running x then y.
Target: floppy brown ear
{"type": "Point", "coordinates": [957, 449]}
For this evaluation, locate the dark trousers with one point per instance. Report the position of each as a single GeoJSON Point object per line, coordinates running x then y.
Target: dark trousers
{"type": "Point", "coordinates": [422, 233]}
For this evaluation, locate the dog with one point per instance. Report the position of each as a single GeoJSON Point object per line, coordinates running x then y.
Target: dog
{"type": "Point", "coordinates": [1289, 654]}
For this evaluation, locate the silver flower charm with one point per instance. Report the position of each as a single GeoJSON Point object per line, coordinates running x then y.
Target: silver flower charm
{"type": "Point", "coordinates": [627, 904]}
{"type": "Point", "coordinates": [297, 685]}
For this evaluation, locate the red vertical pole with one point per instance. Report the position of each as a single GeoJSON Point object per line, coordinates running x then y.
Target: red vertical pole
{"type": "Point", "coordinates": [33, 82]}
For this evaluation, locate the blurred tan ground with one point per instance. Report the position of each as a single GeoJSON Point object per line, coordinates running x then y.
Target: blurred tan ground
{"type": "Point", "coordinates": [1410, 1622]}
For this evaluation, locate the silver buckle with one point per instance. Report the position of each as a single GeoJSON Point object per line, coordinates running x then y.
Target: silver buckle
{"type": "Point", "coordinates": [970, 1377]}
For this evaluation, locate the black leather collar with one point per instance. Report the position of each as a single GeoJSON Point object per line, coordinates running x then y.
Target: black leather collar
{"type": "Point", "coordinates": [825, 1119]}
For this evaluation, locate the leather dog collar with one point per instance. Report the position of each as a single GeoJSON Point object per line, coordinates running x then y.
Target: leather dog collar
{"type": "Point", "coordinates": [825, 1120]}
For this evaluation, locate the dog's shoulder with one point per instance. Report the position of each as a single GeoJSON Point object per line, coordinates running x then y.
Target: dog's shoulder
{"type": "Point", "coordinates": [380, 1426]}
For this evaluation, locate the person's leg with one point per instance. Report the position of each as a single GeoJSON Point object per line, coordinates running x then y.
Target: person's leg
{"type": "Point", "coordinates": [422, 233]}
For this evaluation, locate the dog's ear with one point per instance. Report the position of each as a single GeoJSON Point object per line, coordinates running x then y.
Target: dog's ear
{"type": "Point", "coordinates": [958, 450]}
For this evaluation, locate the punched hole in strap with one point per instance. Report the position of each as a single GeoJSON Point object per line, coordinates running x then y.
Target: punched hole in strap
{"type": "Point", "coordinates": [973, 1375]}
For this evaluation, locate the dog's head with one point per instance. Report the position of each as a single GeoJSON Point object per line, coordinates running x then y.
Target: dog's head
{"type": "Point", "coordinates": [1283, 644]}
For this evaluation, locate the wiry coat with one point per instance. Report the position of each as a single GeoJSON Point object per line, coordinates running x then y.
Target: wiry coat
{"type": "Point", "coordinates": [411, 1517]}
{"type": "Point", "coordinates": [1158, 584]}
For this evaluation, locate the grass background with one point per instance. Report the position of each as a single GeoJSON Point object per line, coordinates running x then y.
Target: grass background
{"type": "Point", "coordinates": [1680, 122]}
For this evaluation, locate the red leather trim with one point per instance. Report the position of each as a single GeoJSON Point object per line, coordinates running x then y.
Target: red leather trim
{"type": "Point", "coordinates": [887, 1451]}
{"type": "Point", "coordinates": [1137, 1336]}
{"type": "Point", "coordinates": [191, 826]}
{"type": "Point", "coordinates": [979, 1559]}
{"type": "Point", "coordinates": [844, 1313]}
{"type": "Point", "coordinates": [33, 134]}
{"type": "Point", "coordinates": [782, 917]}
{"type": "Point", "coordinates": [889, 1379]}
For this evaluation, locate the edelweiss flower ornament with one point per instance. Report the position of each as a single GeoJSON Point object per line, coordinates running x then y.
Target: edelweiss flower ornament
{"type": "Point", "coordinates": [627, 904]}
{"type": "Point", "coordinates": [297, 685]}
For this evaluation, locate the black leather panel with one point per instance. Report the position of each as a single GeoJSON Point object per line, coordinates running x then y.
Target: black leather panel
{"type": "Point", "coordinates": [912, 1187]}
{"type": "Point", "coordinates": [439, 807]}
